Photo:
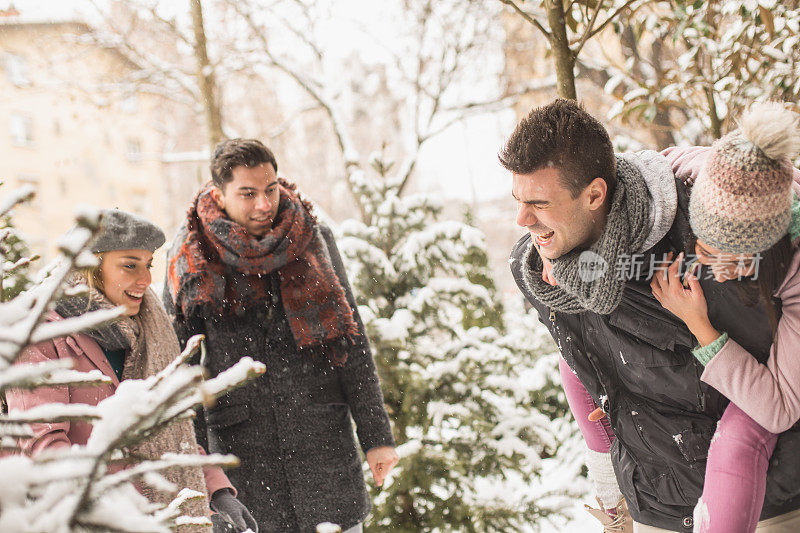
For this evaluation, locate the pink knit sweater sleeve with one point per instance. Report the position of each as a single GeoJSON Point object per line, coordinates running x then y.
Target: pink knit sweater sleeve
{"type": "Point", "coordinates": [769, 394]}
{"type": "Point", "coordinates": [215, 477]}
{"type": "Point", "coordinates": [686, 162]}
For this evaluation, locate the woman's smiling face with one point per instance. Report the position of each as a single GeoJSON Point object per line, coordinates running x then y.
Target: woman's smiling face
{"type": "Point", "coordinates": [126, 275]}
{"type": "Point", "coordinates": [724, 266]}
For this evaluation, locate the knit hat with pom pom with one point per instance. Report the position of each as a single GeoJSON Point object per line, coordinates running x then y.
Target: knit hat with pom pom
{"type": "Point", "coordinates": [742, 198]}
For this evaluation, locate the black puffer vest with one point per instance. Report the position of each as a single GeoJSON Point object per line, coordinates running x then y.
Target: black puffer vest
{"type": "Point", "coordinates": [637, 364]}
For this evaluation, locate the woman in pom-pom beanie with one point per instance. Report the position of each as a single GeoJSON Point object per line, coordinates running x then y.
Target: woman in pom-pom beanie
{"type": "Point", "coordinates": [746, 217]}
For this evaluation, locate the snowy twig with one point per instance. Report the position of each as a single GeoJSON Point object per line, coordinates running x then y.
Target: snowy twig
{"type": "Point", "coordinates": [52, 412]}
{"type": "Point", "coordinates": [168, 460]}
{"type": "Point", "coordinates": [18, 196]}
{"type": "Point", "coordinates": [21, 317]}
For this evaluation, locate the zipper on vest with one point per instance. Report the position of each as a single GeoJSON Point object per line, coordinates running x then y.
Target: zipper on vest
{"type": "Point", "coordinates": [552, 316]}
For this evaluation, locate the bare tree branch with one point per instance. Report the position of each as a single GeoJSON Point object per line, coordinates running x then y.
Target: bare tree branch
{"type": "Point", "coordinates": [527, 17]}
{"type": "Point", "coordinates": [282, 127]}
{"type": "Point", "coordinates": [612, 16]}
{"type": "Point", "coordinates": [587, 31]}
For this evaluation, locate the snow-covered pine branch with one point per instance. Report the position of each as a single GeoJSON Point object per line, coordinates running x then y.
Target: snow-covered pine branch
{"type": "Point", "coordinates": [20, 195]}
{"type": "Point", "coordinates": [51, 373]}
{"type": "Point", "coordinates": [168, 460]}
{"type": "Point", "coordinates": [21, 319]}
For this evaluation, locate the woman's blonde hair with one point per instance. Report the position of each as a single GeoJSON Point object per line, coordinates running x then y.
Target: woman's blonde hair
{"type": "Point", "coordinates": [92, 276]}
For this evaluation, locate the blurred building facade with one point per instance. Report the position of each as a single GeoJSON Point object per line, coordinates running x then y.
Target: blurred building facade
{"type": "Point", "coordinates": [76, 138]}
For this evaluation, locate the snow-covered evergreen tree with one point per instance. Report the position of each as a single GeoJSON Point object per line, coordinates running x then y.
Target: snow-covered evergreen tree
{"type": "Point", "coordinates": [75, 488]}
{"type": "Point", "coordinates": [16, 258]}
{"type": "Point", "coordinates": [701, 63]}
{"type": "Point", "coordinates": [475, 400]}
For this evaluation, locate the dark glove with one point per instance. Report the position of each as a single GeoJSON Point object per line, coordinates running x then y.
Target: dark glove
{"type": "Point", "coordinates": [220, 525]}
{"type": "Point", "coordinates": [232, 515]}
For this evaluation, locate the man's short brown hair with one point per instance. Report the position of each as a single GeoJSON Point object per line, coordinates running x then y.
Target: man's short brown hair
{"type": "Point", "coordinates": [238, 152]}
{"type": "Point", "coordinates": [564, 136]}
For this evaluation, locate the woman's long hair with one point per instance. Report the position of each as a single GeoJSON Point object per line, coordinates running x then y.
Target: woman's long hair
{"type": "Point", "coordinates": [772, 269]}
{"type": "Point", "coordinates": [92, 277]}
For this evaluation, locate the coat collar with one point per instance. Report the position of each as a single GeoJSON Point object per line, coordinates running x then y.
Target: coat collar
{"type": "Point", "coordinates": [82, 344]}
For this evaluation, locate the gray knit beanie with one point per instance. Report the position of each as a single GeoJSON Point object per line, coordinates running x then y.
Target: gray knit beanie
{"type": "Point", "coordinates": [742, 197]}
{"type": "Point", "coordinates": [120, 230]}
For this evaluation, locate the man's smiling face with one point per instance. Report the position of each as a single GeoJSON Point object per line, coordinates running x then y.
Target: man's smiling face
{"type": "Point", "coordinates": [557, 222]}
{"type": "Point", "coordinates": [250, 198]}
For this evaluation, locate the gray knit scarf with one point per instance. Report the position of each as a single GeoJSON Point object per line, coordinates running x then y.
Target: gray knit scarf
{"type": "Point", "coordinates": [627, 227]}
{"type": "Point", "coordinates": [150, 344]}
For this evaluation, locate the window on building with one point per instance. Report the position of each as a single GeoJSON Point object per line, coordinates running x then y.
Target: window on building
{"type": "Point", "coordinates": [21, 129]}
{"type": "Point", "coordinates": [17, 70]}
{"type": "Point", "coordinates": [133, 150]}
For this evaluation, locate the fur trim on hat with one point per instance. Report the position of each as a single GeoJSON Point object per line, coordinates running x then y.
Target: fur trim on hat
{"type": "Point", "coordinates": [773, 129]}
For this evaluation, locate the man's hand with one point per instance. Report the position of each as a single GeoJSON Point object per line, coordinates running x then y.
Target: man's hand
{"type": "Point", "coordinates": [547, 275]}
{"type": "Point", "coordinates": [381, 460]}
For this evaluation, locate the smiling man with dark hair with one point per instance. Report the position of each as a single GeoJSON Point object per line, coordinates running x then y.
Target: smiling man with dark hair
{"type": "Point", "coordinates": [254, 271]}
{"type": "Point", "coordinates": [586, 211]}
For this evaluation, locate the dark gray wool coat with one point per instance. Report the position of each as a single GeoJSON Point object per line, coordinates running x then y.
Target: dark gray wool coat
{"type": "Point", "coordinates": [292, 427]}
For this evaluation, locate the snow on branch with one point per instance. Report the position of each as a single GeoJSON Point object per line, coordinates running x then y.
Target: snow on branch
{"type": "Point", "coordinates": [49, 373]}
{"type": "Point", "coordinates": [167, 461]}
{"type": "Point", "coordinates": [60, 328]}
{"type": "Point", "coordinates": [52, 412]}
{"type": "Point", "coordinates": [192, 345]}
{"type": "Point", "coordinates": [236, 376]}
{"type": "Point", "coordinates": [18, 196]}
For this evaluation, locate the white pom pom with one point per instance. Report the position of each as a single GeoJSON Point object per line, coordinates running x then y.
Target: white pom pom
{"type": "Point", "coordinates": [773, 128]}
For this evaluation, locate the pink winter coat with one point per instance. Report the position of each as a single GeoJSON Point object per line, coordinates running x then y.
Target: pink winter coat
{"type": "Point", "coordinates": [769, 394]}
{"type": "Point", "coordinates": [87, 355]}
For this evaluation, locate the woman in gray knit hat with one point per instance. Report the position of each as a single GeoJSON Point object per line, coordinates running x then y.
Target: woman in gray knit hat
{"type": "Point", "coordinates": [137, 345]}
{"type": "Point", "coordinates": [746, 218]}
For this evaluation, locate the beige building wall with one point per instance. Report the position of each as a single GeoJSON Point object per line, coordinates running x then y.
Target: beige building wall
{"type": "Point", "coordinates": [66, 130]}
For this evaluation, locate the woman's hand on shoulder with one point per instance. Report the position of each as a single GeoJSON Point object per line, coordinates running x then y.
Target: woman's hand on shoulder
{"type": "Point", "coordinates": [687, 303]}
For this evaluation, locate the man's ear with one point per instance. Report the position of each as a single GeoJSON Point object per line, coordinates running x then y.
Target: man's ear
{"type": "Point", "coordinates": [597, 192]}
{"type": "Point", "coordinates": [218, 197]}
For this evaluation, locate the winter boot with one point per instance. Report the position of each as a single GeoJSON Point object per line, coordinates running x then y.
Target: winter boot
{"type": "Point", "coordinates": [615, 520]}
